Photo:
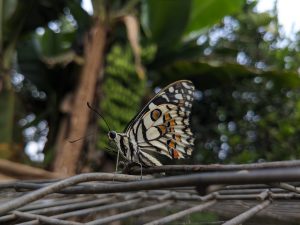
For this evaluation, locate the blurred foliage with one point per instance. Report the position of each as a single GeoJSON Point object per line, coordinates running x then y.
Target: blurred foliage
{"type": "Point", "coordinates": [250, 118]}
{"type": "Point", "coordinates": [247, 121]}
{"type": "Point", "coordinates": [208, 13]}
{"type": "Point", "coordinates": [156, 17]}
{"type": "Point", "coordinates": [247, 76]}
{"type": "Point", "coordinates": [18, 15]}
{"type": "Point", "coordinates": [14, 25]}
{"type": "Point", "coordinates": [44, 59]}
{"type": "Point", "coordinates": [201, 218]}
{"type": "Point", "coordinates": [122, 90]}
{"type": "Point", "coordinates": [252, 39]}
{"type": "Point", "coordinates": [245, 70]}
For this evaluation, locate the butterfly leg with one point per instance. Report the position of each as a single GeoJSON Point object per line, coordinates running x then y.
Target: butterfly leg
{"type": "Point", "coordinates": [141, 170]}
{"type": "Point", "coordinates": [137, 160]}
{"type": "Point", "coordinates": [117, 164]}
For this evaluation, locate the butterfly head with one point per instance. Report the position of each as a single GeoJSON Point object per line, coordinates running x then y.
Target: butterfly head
{"type": "Point", "coordinates": [112, 135]}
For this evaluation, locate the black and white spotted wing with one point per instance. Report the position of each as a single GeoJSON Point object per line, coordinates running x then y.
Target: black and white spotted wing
{"type": "Point", "coordinates": [162, 127]}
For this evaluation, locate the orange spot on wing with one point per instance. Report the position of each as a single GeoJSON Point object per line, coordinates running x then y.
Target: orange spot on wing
{"type": "Point", "coordinates": [155, 114]}
{"type": "Point", "coordinates": [177, 137]}
{"type": "Point", "coordinates": [171, 123]}
{"type": "Point", "coordinates": [162, 128]}
{"type": "Point", "coordinates": [167, 116]}
{"type": "Point", "coordinates": [176, 154]}
{"type": "Point", "coordinates": [171, 144]}
{"type": "Point", "coordinates": [171, 129]}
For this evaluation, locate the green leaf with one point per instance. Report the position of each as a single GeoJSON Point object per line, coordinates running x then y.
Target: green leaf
{"type": "Point", "coordinates": [9, 7]}
{"type": "Point", "coordinates": [83, 19]}
{"type": "Point", "coordinates": [165, 21]}
{"type": "Point", "coordinates": [26, 16]}
{"type": "Point", "coordinates": [53, 44]}
{"type": "Point", "coordinates": [214, 74]}
{"type": "Point", "coordinates": [208, 12]}
{"type": "Point", "coordinates": [246, 156]}
{"type": "Point", "coordinates": [30, 65]}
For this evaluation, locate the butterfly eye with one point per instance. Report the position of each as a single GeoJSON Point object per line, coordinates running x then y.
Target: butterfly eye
{"type": "Point", "coordinates": [112, 135]}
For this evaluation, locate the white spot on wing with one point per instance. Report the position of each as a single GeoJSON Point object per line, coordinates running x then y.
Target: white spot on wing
{"type": "Point", "coordinates": [161, 146]}
{"type": "Point", "coordinates": [171, 89]}
{"type": "Point", "coordinates": [147, 121]}
{"type": "Point", "coordinates": [184, 84]}
{"type": "Point", "coordinates": [178, 96]}
{"type": "Point", "coordinates": [152, 106]}
{"type": "Point", "coordinates": [165, 97]}
{"type": "Point", "coordinates": [189, 151]}
{"type": "Point", "coordinates": [152, 133]}
{"type": "Point", "coordinates": [140, 134]}
{"type": "Point", "coordinates": [151, 158]}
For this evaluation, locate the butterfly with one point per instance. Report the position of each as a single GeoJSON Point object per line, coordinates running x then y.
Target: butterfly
{"type": "Point", "coordinates": [161, 127]}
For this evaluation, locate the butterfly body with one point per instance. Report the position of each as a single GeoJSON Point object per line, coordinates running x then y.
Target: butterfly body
{"type": "Point", "coordinates": [162, 127]}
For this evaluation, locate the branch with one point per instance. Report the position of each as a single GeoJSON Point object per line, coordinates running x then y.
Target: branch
{"type": "Point", "coordinates": [135, 212]}
{"type": "Point", "coordinates": [214, 167]}
{"type": "Point", "coordinates": [248, 214]}
{"type": "Point", "coordinates": [52, 188]}
{"type": "Point", "coordinates": [90, 210]}
{"type": "Point", "coordinates": [181, 214]}
{"type": "Point", "coordinates": [44, 219]}
{"type": "Point", "coordinates": [200, 179]}
{"type": "Point", "coordinates": [288, 187]}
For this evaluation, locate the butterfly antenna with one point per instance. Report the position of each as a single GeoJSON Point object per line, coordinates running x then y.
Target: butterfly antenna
{"type": "Point", "coordinates": [117, 163]}
{"type": "Point", "coordinates": [98, 114]}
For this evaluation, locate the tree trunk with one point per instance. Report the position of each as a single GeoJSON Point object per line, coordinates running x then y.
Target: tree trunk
{"type": "Point", "coordinates": [68, 154]}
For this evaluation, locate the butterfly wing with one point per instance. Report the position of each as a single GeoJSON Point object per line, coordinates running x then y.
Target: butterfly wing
{"type": "Point", "coordinates": [162, 126]}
